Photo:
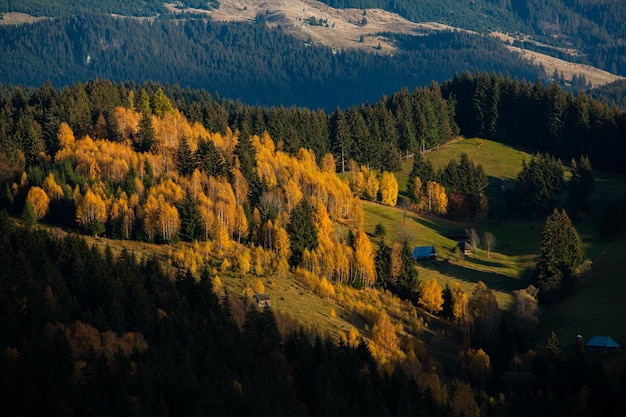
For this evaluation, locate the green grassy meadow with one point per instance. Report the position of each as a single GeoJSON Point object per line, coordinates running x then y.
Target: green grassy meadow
{"type": "Point", "coordinates": [596, 308]}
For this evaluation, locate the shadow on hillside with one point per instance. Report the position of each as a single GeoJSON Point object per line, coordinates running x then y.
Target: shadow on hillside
{"type": "Point", "coordinates": [494, 281]}
{"type": "Point", "coordinates": [441, 226]}
{"type": "Point", "coordinates": [483, 262]}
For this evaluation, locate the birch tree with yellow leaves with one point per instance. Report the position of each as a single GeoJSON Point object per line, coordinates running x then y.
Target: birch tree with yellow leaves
{"type": "Point", "coordinates": [365, 269]}
{"type": "Point", "coordinates": [39, 200]}
{"type": "Point", "coordinates": [91, 212]}
{"type": "Point", "coordinates": [388, 189]}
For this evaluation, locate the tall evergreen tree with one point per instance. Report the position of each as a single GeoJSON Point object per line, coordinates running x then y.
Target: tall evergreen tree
{"type": "Point", "coordinates": [538, 184]}
{"type": "Point", "coordinates": [146, 136]}
{"type": "Point", "coordinates": [185, 161]}
{"type": "Point", "coordinates": [191, 226]}
{"type": "Point", "coordinates": [561, 255]}
{"type": "Point", "coordinates": [302, 231]}
{"type": "Point", "coordinates": [246, 154]}
{"type": "Point", "coordinates": [210, 159]}
{"type": "Point", "coordinates": [382, 261]}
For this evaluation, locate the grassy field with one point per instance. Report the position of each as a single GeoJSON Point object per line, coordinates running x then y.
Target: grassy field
{"type": "Point", "coordinates": [596, 308]}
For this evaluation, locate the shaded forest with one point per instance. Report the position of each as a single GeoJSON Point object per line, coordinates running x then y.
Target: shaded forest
{"type": "Point", "coordinates": [217, 57]}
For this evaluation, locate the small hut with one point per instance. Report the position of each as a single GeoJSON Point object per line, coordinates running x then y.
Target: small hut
{"type": "Point", "coordinates": [262, 300]}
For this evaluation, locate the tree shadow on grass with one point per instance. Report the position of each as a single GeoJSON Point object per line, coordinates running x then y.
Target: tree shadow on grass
{"type": "Point", "coordinates": [483, 262]}
{"type": "Point", "coordinates": [441, 226]}
{"type": "Point", "coordinates": [494, 280]}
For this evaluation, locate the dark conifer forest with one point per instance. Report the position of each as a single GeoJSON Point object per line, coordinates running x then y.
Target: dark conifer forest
{"type": "Point", "coordinates": [216, 57]}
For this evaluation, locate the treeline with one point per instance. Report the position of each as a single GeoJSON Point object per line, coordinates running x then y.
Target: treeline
{"type": "Point", "coordinates": [375, 135]}
{"type": "Point", "coordinates": [539, 117]}
{"type": "Point", "coordinates": [535, 116]}
{"type": "Point", "coordinates": [482, 16]}
{"type": "Point", "coordinates": [72, 8]}
{"type": "Point", "coordinates": [614, 93]}
{"type": "Point", "coordinates": [592, 27]}
{"type": "Point", "coordinates": [238, 60]}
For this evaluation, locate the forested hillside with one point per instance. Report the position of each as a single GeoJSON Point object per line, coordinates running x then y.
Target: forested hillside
{"type": "Point", "coordinates": [119, 335]}
{"type": "Point", "coordinates": [218, 57]}
{"type": "Point", "coordinates": [594, 28]}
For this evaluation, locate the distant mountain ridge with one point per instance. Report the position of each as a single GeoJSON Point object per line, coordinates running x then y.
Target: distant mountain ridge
{"type": "Point", "coordinates": [71, 55]}
{"type": "Point", "coordinates": [242, 61]}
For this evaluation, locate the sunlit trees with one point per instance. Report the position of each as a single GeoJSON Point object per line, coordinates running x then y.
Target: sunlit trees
{"type": "Point", "coordinates": [423, 170]}
{"type": "Point", "coordinates": [437, 200]}
{"type": "Point", "coordinates": [384, 333]}
{"type": "Point", "coordinates": [388, 189]}
{"type": "Point", "coordinates": [91, 212]}
{"type": "Point", "coordinates": [39, 201]}
{"type": "Point", "coordinates": [123, 214]}
{"type": "Point", "coordinates": [372, 185]}
{"type": "Point", "coordinates": [65, 135]}
{"type": "Point", "coordinates": [363, 259]}
{"type": "Point", "coordinates": [430, 295]}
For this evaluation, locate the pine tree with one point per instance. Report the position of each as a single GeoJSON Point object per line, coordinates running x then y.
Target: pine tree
{"type": "Point", "coordinates": [561, 254]}
{"type": "Point", "coordinates": [210, 159]}
{"type": "Point", "coordinates": [29, 216]}
{"type": "Point", "coordinates": [382, 261]}
{"type": "Point", "coordinates": [302, 231]}
{"type": "Point", "coordinates": [185, 163]}
{"type": "Point", "coordinates": [146, 136]}
{"type": "Point", "coordinates": [538, 183]}
{"type": "Point", "coordinates": [190, 219]}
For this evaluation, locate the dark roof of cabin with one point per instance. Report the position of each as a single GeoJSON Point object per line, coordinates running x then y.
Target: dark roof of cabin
{"type": "Point", "coordinates": [423, 252]}
{"type": "Point", "coordinates": [262, 297]}
{"type": "Point", "coordinates": [603, 341]}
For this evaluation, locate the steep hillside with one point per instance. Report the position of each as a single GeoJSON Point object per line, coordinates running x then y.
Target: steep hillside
{"type": "Point", "coordinates": [370, 30]}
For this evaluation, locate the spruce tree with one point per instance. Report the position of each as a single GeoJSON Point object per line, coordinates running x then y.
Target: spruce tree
{"type": "Point", "coordinates": [185, 161]}
{"type": "Point", "coordinates": [146, 136]}
{"type": "Point", "coordinates": [561, 254]}
{"type": "Point", "coordinates": [190, 219]}
{"type": "Point", "coordinates": [382, 261]}
{"type": "Point", "coordinates": [302, 231]}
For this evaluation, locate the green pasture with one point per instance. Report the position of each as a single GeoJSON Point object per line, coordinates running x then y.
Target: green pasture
{"type": "Point", "coordinates": [517, 243]}
{"type": "Point", "coordinates": [506, 269]}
